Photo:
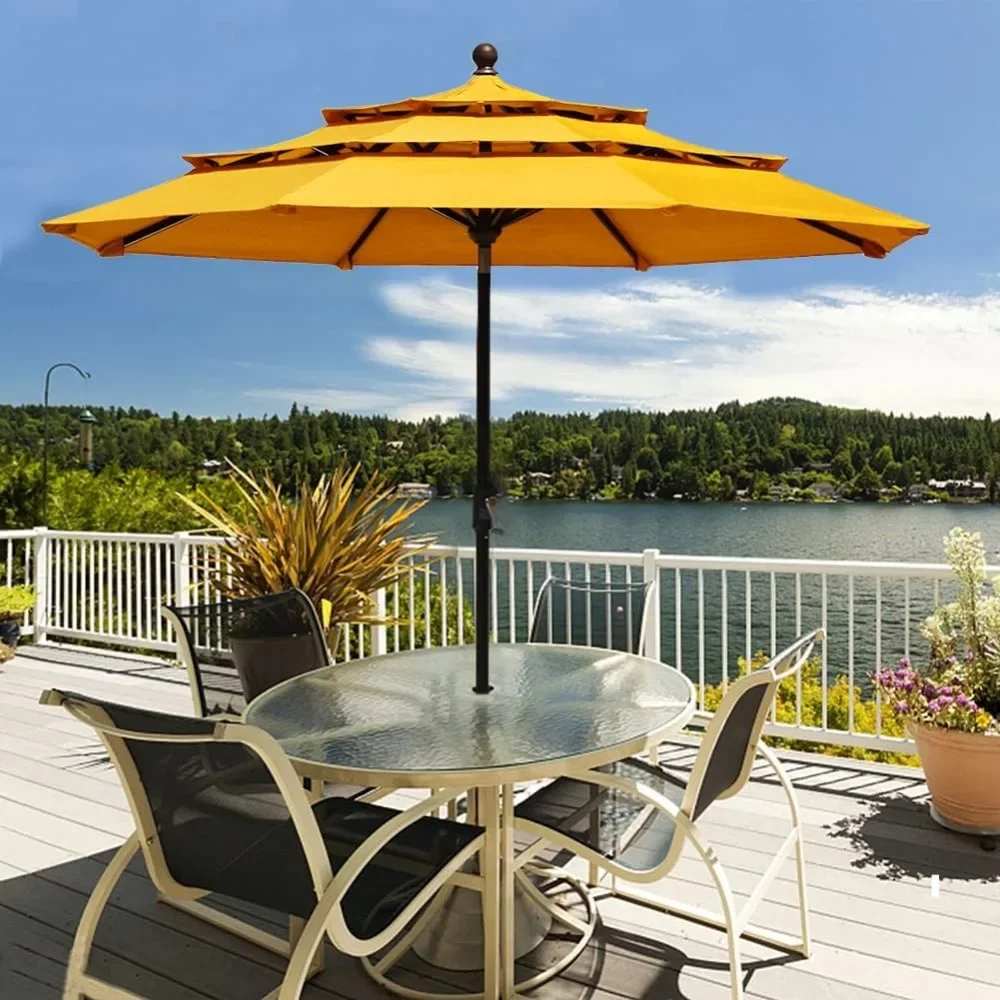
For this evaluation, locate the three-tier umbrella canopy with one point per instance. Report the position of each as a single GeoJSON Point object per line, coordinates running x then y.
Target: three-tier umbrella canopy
{"type": "Point", "coordinates": [486, 174]}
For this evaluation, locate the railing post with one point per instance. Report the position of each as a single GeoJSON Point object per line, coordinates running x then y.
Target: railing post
{"type": "Point", "coordinates": [40, 561]}
{"type": "Point", "coordinates": [651, 575]}
{"type": "Point", "coordinates": [380, 641]}
{"type": "Point", "coordinates": [182, 569]}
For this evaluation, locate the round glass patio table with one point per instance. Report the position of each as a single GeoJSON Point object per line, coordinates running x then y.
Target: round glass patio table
{"type": "Point", "coordinates": [412, 720]}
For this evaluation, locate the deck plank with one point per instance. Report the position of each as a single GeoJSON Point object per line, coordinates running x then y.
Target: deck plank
{"type": "Point", "coordinates": [871, 851]}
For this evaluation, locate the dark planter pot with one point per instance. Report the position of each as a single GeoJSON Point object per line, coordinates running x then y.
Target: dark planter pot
{"type": "Point", "coordinates": [263, 662]}
{"type": "Point", "coordinates": [10, 633]}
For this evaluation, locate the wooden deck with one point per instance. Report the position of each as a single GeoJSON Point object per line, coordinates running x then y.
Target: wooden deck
{"type": "Point", "coordinates": [883, 925]}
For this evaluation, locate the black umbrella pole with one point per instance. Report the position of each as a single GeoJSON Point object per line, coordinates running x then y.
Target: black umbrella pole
{"type": "Point", "coordinates": [481, 518]}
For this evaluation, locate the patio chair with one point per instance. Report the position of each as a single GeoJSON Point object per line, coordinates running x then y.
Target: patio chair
{"type": "Point", "coordinates": [583, 613]}
{"type": "Point", "coordinates": [218, 808]}
{"type": "Point", "coordinates": [632, 818]}
{"type": "Point", "coordinates": [236, 649]}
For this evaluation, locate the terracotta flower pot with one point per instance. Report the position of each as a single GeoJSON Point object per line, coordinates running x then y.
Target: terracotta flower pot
{"type": "Point", "coordinates": [963, 775]}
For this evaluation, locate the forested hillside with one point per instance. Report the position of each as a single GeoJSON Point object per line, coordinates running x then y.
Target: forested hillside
{"type": "Point", "coordinates": [699, 454]}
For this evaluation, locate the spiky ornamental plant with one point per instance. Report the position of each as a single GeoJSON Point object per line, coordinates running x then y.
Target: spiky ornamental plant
{"type": "Point", "coordinates": [336, 541]}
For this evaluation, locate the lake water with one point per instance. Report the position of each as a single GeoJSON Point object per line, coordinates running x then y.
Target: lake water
{"type": "Point", "coordinates": [872, 532]}
{"type": "Point", "coordinates": [889, 532]}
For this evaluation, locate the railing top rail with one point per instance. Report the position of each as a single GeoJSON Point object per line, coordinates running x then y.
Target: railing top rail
{"type": "Point", "coordinates": [839, 567]}
{"type": "Point", "coordinates": [538, 555]}
{"type": "Point", "coordinates": [17, 533]}
{"type": "Point", "coordinates": [112, 536]}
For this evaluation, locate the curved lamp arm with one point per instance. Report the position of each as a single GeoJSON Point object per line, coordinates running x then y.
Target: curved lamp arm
{"type": "Point", "coordinates": [45, 432]}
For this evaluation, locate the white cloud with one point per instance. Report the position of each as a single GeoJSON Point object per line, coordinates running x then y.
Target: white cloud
{"type": "Point", "coordinates": [549, 313]}
{"type": "Point", "coordinates": [579, 379]}
{"type": "Point", "coordinates": [666, 344]}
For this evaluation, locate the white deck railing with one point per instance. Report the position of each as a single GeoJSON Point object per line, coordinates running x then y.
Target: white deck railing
{"type": "Point", "coordinates": [107, 589]}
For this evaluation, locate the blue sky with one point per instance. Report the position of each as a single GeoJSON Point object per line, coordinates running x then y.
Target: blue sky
{"type": "Point", "coordinates": [889, 101]}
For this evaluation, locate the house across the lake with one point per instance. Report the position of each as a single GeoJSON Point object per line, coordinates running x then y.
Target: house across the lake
{"type": "Point", "coordinates": [422, 491]}
{"type": "Point", "coordinates": [824, 490]}
{"type": "Point", "coordinates": [965, 489]}
{"type": "Point", "coordinates": [917, 492]}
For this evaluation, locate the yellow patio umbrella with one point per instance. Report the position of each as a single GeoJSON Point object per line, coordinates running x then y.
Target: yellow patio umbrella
{"type": "Point", "coordinates": [486, 173]}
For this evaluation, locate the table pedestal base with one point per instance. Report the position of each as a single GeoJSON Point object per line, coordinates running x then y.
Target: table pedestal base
{"type": "Point", "coordinates": [467, 921]}
{"type": "Point", "coordinates": [454, 938]}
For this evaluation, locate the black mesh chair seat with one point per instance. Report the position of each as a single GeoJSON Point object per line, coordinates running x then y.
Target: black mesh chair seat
{"type": "Point", "coordinates": [609, 821]}
{"type": "Point", "coordinates": [271, 870]}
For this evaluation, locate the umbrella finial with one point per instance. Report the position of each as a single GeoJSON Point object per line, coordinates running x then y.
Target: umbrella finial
{"type": "Point", "coordinates": [484, 55]}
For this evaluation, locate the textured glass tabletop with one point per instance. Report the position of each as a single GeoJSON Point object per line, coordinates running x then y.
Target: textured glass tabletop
{"type": "Point", "coordinates": [415, 713]}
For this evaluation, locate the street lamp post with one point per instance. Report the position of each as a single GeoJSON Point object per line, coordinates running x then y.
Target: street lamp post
{"type": "Point", "coordinates": [45, 433]}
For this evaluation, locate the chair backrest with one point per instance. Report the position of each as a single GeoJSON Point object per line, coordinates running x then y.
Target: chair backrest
{"type": "Point", "coordinates": [202, 792]}
{"type": "Point", "coordinates": [607, 615]}
{"type": "Point", "coordinates": [236, 649]}
{"type": "Point", "coordinates": [727, 752]}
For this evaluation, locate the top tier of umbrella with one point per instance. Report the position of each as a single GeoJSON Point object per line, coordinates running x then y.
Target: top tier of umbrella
{"type": "Point", "coordinates": [482, 174]}
{"type": "Point", "coordinates": [602, 189]}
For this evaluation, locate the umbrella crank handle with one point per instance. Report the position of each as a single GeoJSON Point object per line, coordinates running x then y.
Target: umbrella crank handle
{"type": "Point", "coordinates": [485, 517]}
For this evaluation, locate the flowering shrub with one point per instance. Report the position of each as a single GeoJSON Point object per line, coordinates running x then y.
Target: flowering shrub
{"type": "Point", "coordinates": [947, 702]}
{"type": "Point", "coordinates": [960, 689]}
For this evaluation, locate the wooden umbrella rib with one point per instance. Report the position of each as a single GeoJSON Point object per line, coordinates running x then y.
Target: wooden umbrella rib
{"type": "Point", "coordinates": [638, 262]}
{"type": "Point", "coordinates": [138, 235]}
{"type": "Point", "coordinates": [868, 247]}
{"type": "Point", "coordinates": [363, 237]}
{"type": "Point", "coordinates": [452, 215]}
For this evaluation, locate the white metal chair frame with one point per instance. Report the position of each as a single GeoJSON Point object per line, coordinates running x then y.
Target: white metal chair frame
{"type": "Point", "coordinates": [735, 922]}
{"type": "Point", "coordinates": [608, 589]}
{"type": "Point", "coordinates": [327, 920]}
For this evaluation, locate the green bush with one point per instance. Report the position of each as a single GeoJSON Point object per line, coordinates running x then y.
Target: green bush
{"type": "Point", "coordinates": [419, 619]}
{"type": "Point", "coordinates": [15, 601]}
{"type": "Point", "coordinates": [840, 694]}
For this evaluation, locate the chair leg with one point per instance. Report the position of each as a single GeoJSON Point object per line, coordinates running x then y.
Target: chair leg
{"type": "Point", "coordinates": [800, 863]}
{"type": "Point", "coordinates": [296, 925]}
{"type": "Point", "coordinates": [78, 983]}
{"type": "Point", "coordinates": [303, 960]}
{"type": "Point", "coordinates": [730, 914]}
{"type": "Point", "coordinates": [735, 965]}
{"type": "Point", "coordinates": [800, 878]}
{"type": "Point", "coordinates": [488, 812]}
{"type": "Point", "coordinates": [508, 985]}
